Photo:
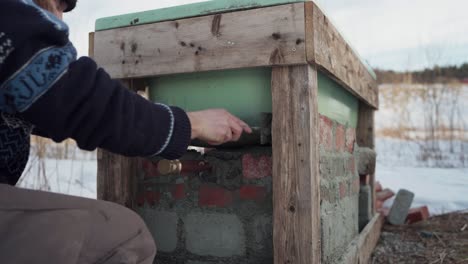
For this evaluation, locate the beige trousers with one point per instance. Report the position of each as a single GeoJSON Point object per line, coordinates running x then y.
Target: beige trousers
{"type": "Point", "coordinates": [41, 227]}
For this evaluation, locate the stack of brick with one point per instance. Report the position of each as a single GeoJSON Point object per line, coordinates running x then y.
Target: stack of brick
{"type": "Point", "coordinates": [415, 215]}
{"type": "Point", "coordinates": [218, 209]}
{"type": "Point", "coordinates": [339, 188]}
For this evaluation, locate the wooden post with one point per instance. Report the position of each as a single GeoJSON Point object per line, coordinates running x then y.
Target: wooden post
{"type": "Point", "coordinates": [116, 175]}
{"type": "Point", "coordinates": [296, 182]}
{"type": "Point", "coordinates": [365, 138]}
{"type": "Point", "coordinates": [116, 179]}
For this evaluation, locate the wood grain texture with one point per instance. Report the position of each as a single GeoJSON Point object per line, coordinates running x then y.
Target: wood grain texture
{"type": "Point", "coordinates": [91, 44]}
{"type": "Point", "coordinates": [360, 250]}
{"type": "Point", "coordinates": [365, 132]}
{"type": "Point", "coordinates": [260, 37]}
{"type": "Point", "coordinates": [185, 11]}
{"type": "Point", "coordinates": [116, 178]}
{"type": "Point", "coordinates": [116, 174]}
{"type": "Point", "coordinates": [296, 182]}
{"type": "Point", "coordinates": [369, 238]}
{"type": "Point", "coordinates": [334, 56]}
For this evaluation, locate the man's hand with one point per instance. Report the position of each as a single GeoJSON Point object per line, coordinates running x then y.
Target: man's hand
{"type": "Point", "coordinates": [216, 126]}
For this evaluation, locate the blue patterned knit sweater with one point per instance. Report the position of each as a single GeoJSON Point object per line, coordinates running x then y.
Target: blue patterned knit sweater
{"type": "Point", "coordinates": [45, 90]}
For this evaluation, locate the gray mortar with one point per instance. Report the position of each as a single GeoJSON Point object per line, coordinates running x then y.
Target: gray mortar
{"type": "Point", "coordinates": [253, 215]}
{"type": "Point", "coordinates": [339, 224]}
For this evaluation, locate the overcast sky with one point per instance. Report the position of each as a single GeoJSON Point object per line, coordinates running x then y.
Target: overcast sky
{"type": "Point", "coordinates": [389, 34]}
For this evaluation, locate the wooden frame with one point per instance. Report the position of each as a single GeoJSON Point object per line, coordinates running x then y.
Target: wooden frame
{"type": "Point", "coordinates": [296, 179]}
{"type": "Point", "coordinates": [295, 40]}
{"type": "Point", "coordinates": [292, 34]}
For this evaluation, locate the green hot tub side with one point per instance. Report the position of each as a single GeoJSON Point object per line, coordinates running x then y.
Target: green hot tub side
{"type": "Point", "coordinates": [245, 93]}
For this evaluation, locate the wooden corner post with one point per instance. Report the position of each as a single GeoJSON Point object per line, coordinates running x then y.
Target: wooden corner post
{"type": "Point", "coordinates": [115, 174]}
{"type": "Point", "coordinates": [365, 138]}
{"type": "Point", "coordinates": [296, 182]}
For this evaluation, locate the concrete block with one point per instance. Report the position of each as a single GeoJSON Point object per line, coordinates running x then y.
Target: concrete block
{"type": "Point", "coordinates": [339, 227]}
{"type": "Point", "coordinates": [256, 167]}
{"type": "Point", "coordinates": [218, 235]}
{"type": "Point", "coordinates": [163, 227]}
{"type": "Point", "coordinates": [262, 230]}
{"type": "Point", "coordinates": [400, 207]}
{"type": "Point", "coordinates": [332, 166]}
{"type": "Point", "coordinates": [365, 206]}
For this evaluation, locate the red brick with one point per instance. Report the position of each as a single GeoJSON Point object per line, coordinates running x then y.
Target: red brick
{"type": "Point", "coordinates": [384, 195]}
{"type": "Point", "coordinates": [378, 204]}
{"type": "Point", "coordinates": [178, 191]}
{"type": "Point", "coordinates": [213, 196]}
{"type": "Point", "coordinates": [250, 192]}
{"type": "Point", "coordinates": [343, 190]}
{"type": "Point", "coordinates": [350, 139]}
{"type": "Point", "coordinates": [378, 186]}
{"type": "Point", "coordinates": [140, 199]}
{"type": "Point", "coordinates": [326, 132]}
{"type": "Point", "coordinates": [417, 215]}
{"type": "Point", "coordinates": [150, 169]}
{"type": "Point", "coordinates": [152, 197]}
{"type": "Point", "coordinates": [256, 167]}
{"type": "Point", "coordinates": [340, 138]}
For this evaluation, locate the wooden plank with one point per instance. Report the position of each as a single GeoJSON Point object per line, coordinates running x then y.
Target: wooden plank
{"type": "Point", "coordinates": [91, 45]}
{"type": "Point", "coordinates": [329, 51]}
{"type": "Point", "coordinates": [116, 174]}
{"type": "Point", "coordinates": [261, 37]}
{"type": "Point", "coordinates": [360, 250]}
{"type": "Point", "coordinates": [365, 132]}
{"type": "Point", "coordinates": [369, 238]}
{"type": "Point", "coordinates": [296, 181]}
{"type": "Point", "coordinates": [184, 11]}
{"type": "Point", "coordinates": [116, 178]}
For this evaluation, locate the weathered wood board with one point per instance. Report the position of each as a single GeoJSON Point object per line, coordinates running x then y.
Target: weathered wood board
{"type": "Point", "coordinates": [185, 11]}
{"type": "Point", "coordinates": [296, 179]}
{"type": "Point", "coordinates": [327, 49]}
{"type": "Point", "coordinates": [360, 250]}
{"type": "Point", "coordinates": [261, 37]}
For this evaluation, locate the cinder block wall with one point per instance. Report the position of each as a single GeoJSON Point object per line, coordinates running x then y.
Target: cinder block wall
{"type": "Point", "coordinates": [220, 215]}
{"type": "Point", "coordinates": [224, 213]}
{"type": "Point", "coordinates": [339, 188]}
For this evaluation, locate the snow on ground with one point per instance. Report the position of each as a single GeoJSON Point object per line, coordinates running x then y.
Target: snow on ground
{"type": "Point", "coordinates": [68, 176]}
{"type": "Point", "coordinates": [443, 190]}
{"type": "Point", "coordinates": [440, 184]}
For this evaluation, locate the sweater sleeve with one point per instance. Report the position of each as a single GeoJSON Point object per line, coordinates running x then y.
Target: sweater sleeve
{"type": "Point", "coordinates": [42, 82]}
{"type": "Point", "coordinates": [87, 105]}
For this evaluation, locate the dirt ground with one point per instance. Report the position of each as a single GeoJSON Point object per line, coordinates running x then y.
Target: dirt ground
{"type": "Point", "coordinates": [441, 239]}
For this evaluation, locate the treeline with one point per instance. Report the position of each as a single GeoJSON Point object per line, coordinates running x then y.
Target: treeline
{"type": "Point", "coordinates": [433, 75]}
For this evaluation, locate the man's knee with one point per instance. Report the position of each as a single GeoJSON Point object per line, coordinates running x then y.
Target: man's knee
{"type": "Point", "coordinates": [126, 233]}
